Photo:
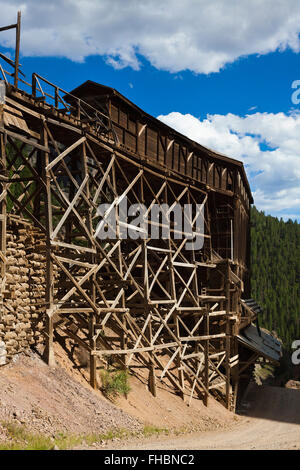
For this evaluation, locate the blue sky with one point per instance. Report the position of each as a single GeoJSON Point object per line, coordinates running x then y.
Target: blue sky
{"type": "Point", "coordinates": [220, 74]}
{"type": "Point", "coordinates": [263, 82]}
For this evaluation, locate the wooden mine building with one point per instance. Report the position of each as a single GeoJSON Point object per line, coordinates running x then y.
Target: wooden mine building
{"type": "Point", "coordinates": [185, 315]}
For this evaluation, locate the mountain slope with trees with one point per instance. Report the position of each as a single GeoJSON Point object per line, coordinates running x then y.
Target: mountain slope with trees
{"type": "Point", "coordinates": [275, 273]}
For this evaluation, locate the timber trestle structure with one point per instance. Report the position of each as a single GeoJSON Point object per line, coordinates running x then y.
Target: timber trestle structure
{"type": "Point", "coordinates": [175, 311]}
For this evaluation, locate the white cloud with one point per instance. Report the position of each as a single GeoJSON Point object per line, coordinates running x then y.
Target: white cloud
{"type": "Point", "coordinates": [197, 35]}
{"type": "Point", "coordinates": [268, 144]}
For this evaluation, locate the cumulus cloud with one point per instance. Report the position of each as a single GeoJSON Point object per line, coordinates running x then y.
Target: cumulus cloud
{"type": "Point", "coordinates": [198, 35]}
{"type": "Point", "coordinates": [267, 143]}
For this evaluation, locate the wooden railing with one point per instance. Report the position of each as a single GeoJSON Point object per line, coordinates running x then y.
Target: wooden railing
{"type": "Point", "coordinates": [43, 90]}
{"type": "Point", "coordinates": [68, 104]}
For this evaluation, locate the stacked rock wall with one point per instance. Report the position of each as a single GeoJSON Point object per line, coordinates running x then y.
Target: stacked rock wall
{"type": "Point", "coordinates": [23, 309]}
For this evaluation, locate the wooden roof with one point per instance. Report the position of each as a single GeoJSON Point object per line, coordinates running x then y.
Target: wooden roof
{"type": "Point", "coordinates": [91, 89]}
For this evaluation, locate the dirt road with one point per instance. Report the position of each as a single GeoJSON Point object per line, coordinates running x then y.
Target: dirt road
{"type": "Point", "coordinates": [271, 421]}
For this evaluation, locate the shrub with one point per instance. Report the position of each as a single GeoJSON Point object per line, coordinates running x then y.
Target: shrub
{"type": "Point", "coordinates": [115, 383]}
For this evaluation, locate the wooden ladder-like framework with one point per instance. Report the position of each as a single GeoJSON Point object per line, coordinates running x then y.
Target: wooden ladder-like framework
{"type": "Point", "coordinates": [163, 302]}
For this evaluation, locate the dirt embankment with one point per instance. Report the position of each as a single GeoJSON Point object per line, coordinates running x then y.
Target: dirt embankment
{"type": "Point", "coordinates": [49, 401]}
{"type": "Point", "coordinates": [55, 400]}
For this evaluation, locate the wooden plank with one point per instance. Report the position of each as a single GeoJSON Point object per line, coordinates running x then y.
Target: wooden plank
{"type": "Point", "coordinates": [200, 338]}
{"type": "Point", "coordinates": [106, 352]}
{"type": "Point", "coordinates": [27, 141]}
{"type": "Point", "coordinates": [211, 298]}
{"type": "Point", "coordinates": [183, 265]}
{"type": "Point", "coordinates": [217, 313]}
{"type": "Point", "coordinates": [24, 108]}
{"type": "Point", "coordinates": [17, 49]}
{"type": "Point", "coordinates": [73, 247]}
{"type": "Point", "coordinates": [76, 262]}
{"type": "Point", "coordinates": [205, 265]}
{"type": "Point", "coordinates": [5, 28]}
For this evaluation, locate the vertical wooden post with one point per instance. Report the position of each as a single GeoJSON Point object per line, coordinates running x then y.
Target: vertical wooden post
{"type": "Point", "coordinates": [235, 374]}
{"type": "Point", "coordinates": [93, 358]}
{"type": "Point", "coordinates": [177, 327]}
{"type": "Point", "coordinates": [137, 140]}
{"type": "Point", "coordinates": [17, 52]}
{"type": "Point", "coordinates": [179, 360]}
{"type": "Point", "coordinates": [37, 198]}
{"type": "Point", "coordinates": [56, 102]}
{"type": "Point", "coordinates": [73, 166]}
{"type": "Point", "coordinates": [206, 356]}
{"type": "Point", "coordinates": [152, 376]}
{"type": "Point", "coordinates": [122, 299]}
{"type": "Point", "coordinates": [33, 85]}
{"type": "Point", "coordinates": [2, 102]}
{"type": "Point", "coordinates": [49, 352]}
{"type": "Point", "coordinates": [3, 209]}
{"type": "Point", "coordinates": [228, 333]}
{"type": "Point", "coordinates": [92, 316]}
{"type": "Point", "coordinates": [193, 260]}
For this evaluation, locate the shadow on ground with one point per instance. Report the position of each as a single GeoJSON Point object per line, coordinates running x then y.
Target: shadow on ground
{"type": "Point", "coordinates": [272, 403]}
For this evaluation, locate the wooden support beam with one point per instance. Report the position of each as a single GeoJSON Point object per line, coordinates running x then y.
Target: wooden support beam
{"type": "Point", "coordinates": [3, 212]}
{"type": "Point", "coordinates": [206, 356]}
{"type": "Point", "coordinates": [65, 153]}
{"type": "Point", "coordinates": [228, 336]}
{"type": "Point", "coordinates": [49, 351]}
{"type": "Point", "coordinates": [17, 50]}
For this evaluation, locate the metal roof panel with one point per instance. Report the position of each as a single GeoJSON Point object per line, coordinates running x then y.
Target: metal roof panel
{"type": "Point", "coordinates": [265, 345]}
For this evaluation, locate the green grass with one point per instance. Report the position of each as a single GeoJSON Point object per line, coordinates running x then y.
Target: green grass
{"type": "Point", "coordinates": [115, 383]}
{"type": "Point", "coordinates": [21, 439]}
{"type": "Point", "coordinates": [150, 430]}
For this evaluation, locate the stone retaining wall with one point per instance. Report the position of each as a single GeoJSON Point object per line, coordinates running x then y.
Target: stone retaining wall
{"type": "Point", "coordinates": [23, 295]}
